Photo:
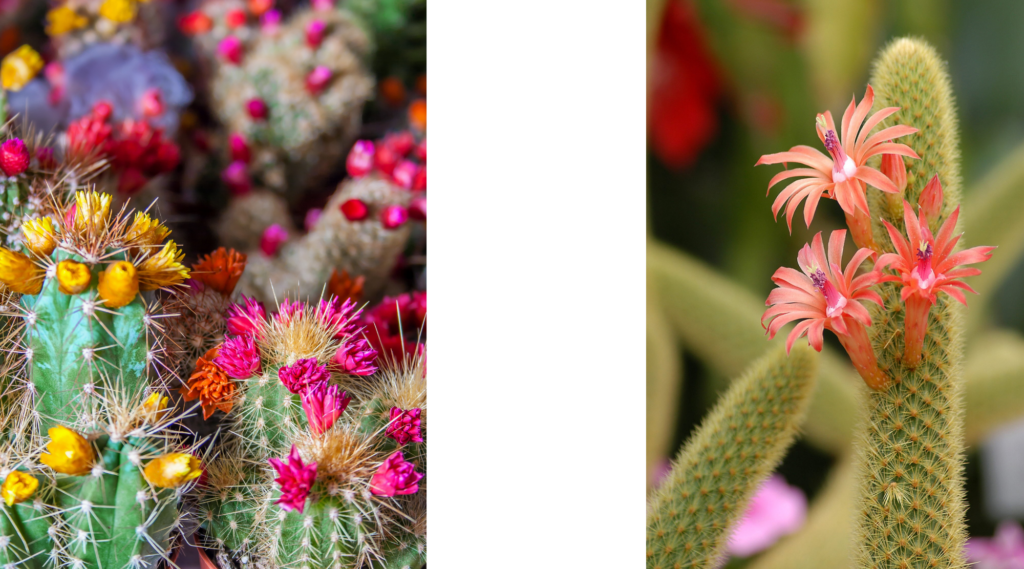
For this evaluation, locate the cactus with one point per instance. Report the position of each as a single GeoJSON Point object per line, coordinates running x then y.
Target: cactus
{"type": "Point", "coordinates": [993, 373]}
{"type": "Point", "coordinates": [911, 450]}
{"type": "Point", "coordinates": [247, 216]}
{"type": "Point", "coordinates": [364, 247]}
{"type": "Point", "coordinates": [735, 449]}
{"type": "Point", "coordinates": [104, 492]}
{"type": "Point", "coordinates": [297, 102]}
{"type": "Point", "coordinates": [344, 516]}
{"type": "Point", "coordinates": [77, 24]}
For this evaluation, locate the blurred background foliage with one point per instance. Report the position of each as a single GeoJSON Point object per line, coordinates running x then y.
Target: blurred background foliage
{"type": "Point", "coordinates": [730, 80]}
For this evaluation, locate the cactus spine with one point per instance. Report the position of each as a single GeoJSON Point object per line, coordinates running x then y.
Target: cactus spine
{"type": "Point", "coordinates": [90, 378]}
{"type": "Point", "coordinates": [342, 524]}
{"type": "Point", "coordinates": [736, 447]}
{"type": "Point", "coordinates": [911, 511]}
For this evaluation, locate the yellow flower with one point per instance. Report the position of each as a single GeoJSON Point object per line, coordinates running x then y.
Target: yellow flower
{"type": "Point", "coordinates": [163, 269]}
{"type": "Point", "coordinates": [119, 284]}
{"type": "Point", "coordinates": [155, 403]}
{"type": "Point", "coordinates": [119, 11]}
{"type": "Point", "coordinates": [146, 231]}
{"type": "Point", "coordinates": [172, 470]}
{"type": "Point", "coordinates": [40, 236]}
{"type": "Point", "coordinates": [69, 452]}
{"type": "Point", "coordinates": [92, 211]}
{"type": "Point", "coordinates": [63, 20]}
{"type": "Point", "coordinates": [19, 67]}
{"type": "Point", "coordinates": [18, 487]}
{"type": "Point", "coordinates": [73, 277]}
{"type": "Point", "coordinates": [19, 273]}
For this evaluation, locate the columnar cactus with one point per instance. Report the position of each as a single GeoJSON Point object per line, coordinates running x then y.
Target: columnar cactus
{"type": "Point", "coordinates": [735, 449]}
{"type": "Point", "coordinates": [295, 93]}
{"type": "Point", "coordinates": [104, 490]}
{"type": "Point", "coordinates": [345, 493]}
{"type": "Point", "coordinates": [247, 216]}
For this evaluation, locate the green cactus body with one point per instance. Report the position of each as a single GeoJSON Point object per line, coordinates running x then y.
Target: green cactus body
{"type": "Point", "coordinates": [94, 371]}
{"type": "Point", "coordinates": [342, 524]}
{"type": "Point", "coordinates": [911, 510]}
{"type": "Point", "coordinates": [722, 465]}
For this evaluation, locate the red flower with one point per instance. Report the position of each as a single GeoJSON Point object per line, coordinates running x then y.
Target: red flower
{"type": "Point", "coordinates": [296, 480]}
{"type": "Point", "coordinates": [303, 374]}
{"type": "Point", "coordinates": [684, 86]}
{"type": "Point", "coordinates": [405, 425]}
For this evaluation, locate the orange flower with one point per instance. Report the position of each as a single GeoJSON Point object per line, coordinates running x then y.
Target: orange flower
{"type": "Point", "coordinates": [418, 114]}
{"type": "Point", "coordinates": [345, 287]}
{"type": "Point", "coordinates": [214, 389]}
{"type": "Point", "coordinates": [220, 270]}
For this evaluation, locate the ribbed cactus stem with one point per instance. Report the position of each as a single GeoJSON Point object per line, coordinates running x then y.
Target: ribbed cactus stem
{"type": "Point", "coordinates": [736, 447]}
{"type": "Point", "coordinates": [911, 510]}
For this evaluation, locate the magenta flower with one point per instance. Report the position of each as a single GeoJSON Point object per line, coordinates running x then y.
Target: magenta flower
{"type": "Point", "coordinates": [395, 477]}
{"type": "Point", "coordinates": [405, 425]}
{"type": "Point", "coordinates": [288, 311]}
{"type": "Point", "coordinates": [303, 374]}
{"type": "Point", "coordinates": [355, 357]}
{"type": "Point", "coordinates": [239, 357]}
{"type": "Point", "coordinates": [777, 509]}
{"type": "Point", "coordinates": [247, 318]}
{"type": "Point", "coordinates": [272, 239]}
{"type": "Point", "coordinates": [334, 313]}
{"type": "Point", "coordinates": [230, 48]}
{"type": "Point", "coordinates": [295, 478]}
{"type": "Point", "coordinates": [360, 159]}
{"type": "Point", "coordinates": [323, 405]}
{"type": "Point", "coordinates": [1004, 550]}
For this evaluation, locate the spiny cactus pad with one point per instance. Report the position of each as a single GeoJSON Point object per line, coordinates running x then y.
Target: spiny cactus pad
{"type": "Point", "coordinates": [736, 447]}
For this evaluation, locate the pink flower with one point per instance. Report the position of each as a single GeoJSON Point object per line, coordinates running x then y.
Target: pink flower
{"type": "Point", "coordinates": [296, 480]}
{"type": "Point", "coordinates": [405, 173]}
{"type": "Point", "coordinates": [240, 151]}
{"type": "Point", "coordinates": [395, 477]}
{"type": "Point", "coordinates": [843, 177]}
{"type": "Point", "coordinates": [239, 357]}
{"type": "Point", "coordinates": [312, 216]}
{"type": "Point", "coordinates": [405, 425]}
{"type": "Point", "coordinates": [323, 405]}
{"type": "Point", "coordinates": [777, 509]}
{"type": "Point", "coordinates": [246, 318]}
{"type": "Point", "coordinates": [236, 177]}
{"type": "Point", "coordinates": [270, 22]}
{"type": "Point", "coordinates": [823, 296]}
{"type": "Point", "coordinates": [230, 48]}
{"type": "Point", "coordinates": [927, 265]}
{"type": "Point", "coordinates": [354, 210]}
{"type": "Point", "coordinates": [1004, 550]}
{"type": "Point", "coordinates": [303, 374]}
{"type": "Point", "coordinates": [288, 311]}
{"type": "Point", "coordinates": [333, 313]}
{"type": "Point", "coordinates": [360, 158]}
{"type": "Point", "coordinates": [393, 217]}
{"type": "Point", "coordinates": [272, 239]}
{"type": "Point", "coordinates": [257, 108]}
{"type": "Point", "coordinates": [318, 79]}
{"type": "Point", "coordinates": [315, 33]}
{"type": "Point", "coordinates": [355, 357]}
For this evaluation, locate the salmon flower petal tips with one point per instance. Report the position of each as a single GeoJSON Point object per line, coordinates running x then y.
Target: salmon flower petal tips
{"type": "Point", "coordinates": [925, 264]}
{"type": "Point", "coordinates": [118, 284]}
{"type": "Point", "coordinates": [172, 470]}
{"type": "Point", "coordinates": [73, 277]}
{"type": "Point", "coordinates": [40, 236]}
{"type": "Point", "coordinates": [19, 67]}
{"type": "Point", "coordinates": [68, 452]}
{"type": "Point", "coordinates": [843, 174]}
{"type": "Point", "coordinates": [163, 269]}
{"type": "Point", "coordinates": [295, 479]}
{"type": "Point", "coordinates": [19, 273]}
{"type": "Point", "coordinates": [824, 296]}
{"type": "Point", "coordinates": [220, 270]}
{"type": "Point", "coordinates": [211, 385]}
{"type": "Point", "coordinates": [18, 487]}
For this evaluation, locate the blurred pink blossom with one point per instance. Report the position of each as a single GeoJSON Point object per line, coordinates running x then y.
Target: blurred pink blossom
{"type": "Point", "coordinates": [777, 509]}
{"type": "Point", "coordinates": [1004, 550]}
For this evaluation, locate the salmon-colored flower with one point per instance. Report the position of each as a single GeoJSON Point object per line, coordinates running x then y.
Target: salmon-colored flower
{"type": "Point", "coordinates": [68, 452]}
{"type": "Point", "coordinates": [925, 264]}
{"type": "Point", "coordinates": [826, 297]}
{"type": "Point", "coordinates": [220, 270]}
{"type": "Point", "coordinates": [344, 286]}
{"type": "Point", "coordinates": [843, 176]}
{"type": "Point", "coordinates": [214, 389]}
